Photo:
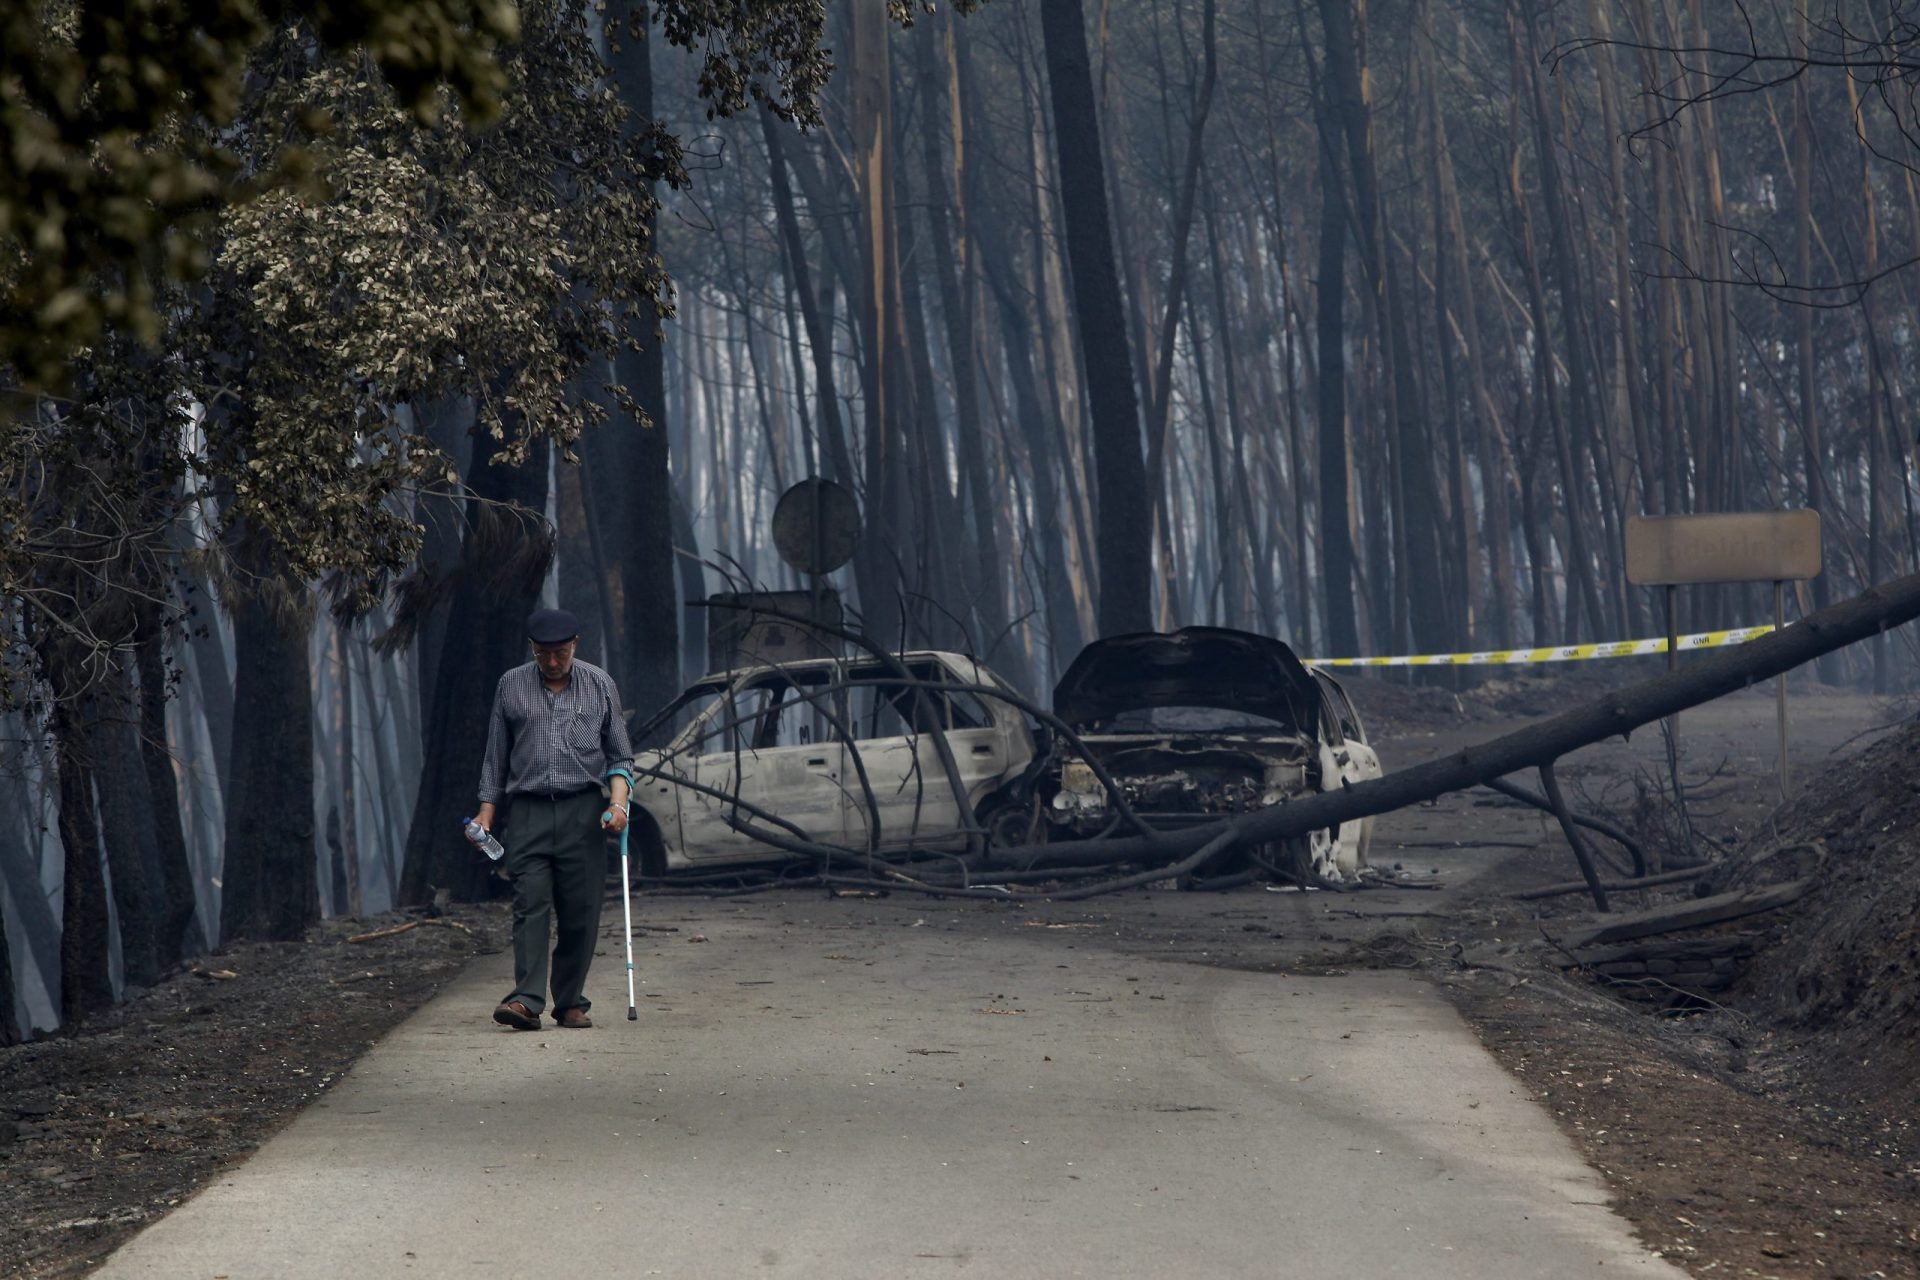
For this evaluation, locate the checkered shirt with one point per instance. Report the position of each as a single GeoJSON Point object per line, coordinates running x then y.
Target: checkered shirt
{"type": "Point", "coordinates": [544, 743]}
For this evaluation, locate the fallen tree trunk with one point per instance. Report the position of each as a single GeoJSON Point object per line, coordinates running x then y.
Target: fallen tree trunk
{"type": "Point", "coordinates": [1618, 714]}
{"type": "Point", "coordinates": [1611, 886]}
{"type": "Point", "coordinates": [1697, 914]}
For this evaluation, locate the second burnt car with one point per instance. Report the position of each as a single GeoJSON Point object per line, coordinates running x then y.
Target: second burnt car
{"type": "Point", "coordinates": [1203, 723]}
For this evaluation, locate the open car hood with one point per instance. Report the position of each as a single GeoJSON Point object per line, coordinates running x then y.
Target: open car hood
{"type": "Point", "coordinates": [1192, 667]}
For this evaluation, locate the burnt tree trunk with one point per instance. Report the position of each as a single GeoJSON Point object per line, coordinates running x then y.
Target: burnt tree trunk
{"type": "Point", "coordinates": [9, 1025]}
{"type": "Point", "coordinates": [958, 291]}
{"type": "Point", "coordinates": [1416, 514]}
{"type": "Point", "coordinates": [693, 586]}
{"type": "Point", "coordinates": [1124, 536]}
{"type": "Point", "coordinates": [496, 585]}
{"type": "Point", "coordinates": [584, 576]}
{"type": "Point", "coordinates": [177, 932]}
{"type": "Point", "coordinates": [209, 649]}
{"type": "Point", "coordinates": [20, 872]}
{"type": "Point", "coordinates": [634, 492]}
{"type": "Point", "coordinates": [449, 425]}
{"type": "Point", "coordinates": [269, 889]}
{"type": "Point", "coordinates": [127, 825]}
{"type": "Point", "coordinates": [85, 930]}
{"type": "Point", "coordinates": [837, 464]}
{"type": "Point", "coordinates": [1330, 340]}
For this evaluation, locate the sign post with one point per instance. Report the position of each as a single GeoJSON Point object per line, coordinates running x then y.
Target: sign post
{"type": "Point", "coordinates": [816, 529]}
{"type": "Point", "coordinates": [1748, 546]}
{"type": "Point", "coordinates": [1780, 687]}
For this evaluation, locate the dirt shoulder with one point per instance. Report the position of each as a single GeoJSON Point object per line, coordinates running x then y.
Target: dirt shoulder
{"type": "Point", "coordinates": [106, 1129]}
{"type": "Point", "coordinates": [1715, 1170]}
{"type": "Point", "coordinates": [1738, 1137]}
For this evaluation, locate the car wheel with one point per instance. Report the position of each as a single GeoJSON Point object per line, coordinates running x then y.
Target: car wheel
{"type": "Point", "coordinates": [1009, 825]}
{"type": "Point", "coordinates": [1323, 847]}
{"type": "Point", "coordinates": [645, 846]}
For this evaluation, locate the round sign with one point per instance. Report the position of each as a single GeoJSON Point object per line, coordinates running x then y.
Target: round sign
{"type": "Point", "coordinates": [816, 525]}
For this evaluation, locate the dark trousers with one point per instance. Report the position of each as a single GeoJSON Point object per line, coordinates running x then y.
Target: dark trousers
{"type": "Point", "coordinates": [557, 860]}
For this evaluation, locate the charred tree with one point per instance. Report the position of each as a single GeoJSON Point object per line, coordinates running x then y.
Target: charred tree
{"type": "Point", "coordinates": [1335, 468]}
{"type": "Point", "coordinates": [269, 890]}
{"type": "Point", "coordinates": [177, 930]}
{"type": "Point", "coordinates": [20, 873]}
{"type": "Point", "coordinates": [1417, 532]}
{"type": "Point", "coordinates": [128, 826]}
{"type": "Point", "coordinates": [959, 313]}
{"type": "Point", "coordinates": [495, 586]}
{"type": "Point", "coordinates": [1124, 536]}
{"type": "Point", "coordinates": [448, 424]}
{"type": "Point", "coordinates": [85, 928]}
{"type": "Point", "coordinates": [9, 1025]}
{"type": "Point", "coordinates": [631, 479]}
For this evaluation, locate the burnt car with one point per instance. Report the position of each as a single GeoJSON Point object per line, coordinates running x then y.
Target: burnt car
{"type": "Point", "coordinates": [1201, 724]}
{"type": "Point", "coordinates": [838, 751]}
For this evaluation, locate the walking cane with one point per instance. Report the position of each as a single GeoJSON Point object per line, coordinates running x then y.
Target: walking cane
{"type": "Point", "coordinates": [626, 910]}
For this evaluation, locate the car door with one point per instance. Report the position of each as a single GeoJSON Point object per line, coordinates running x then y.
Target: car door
{"type": "Point", "coordinates": [893, 721]}
{"type": "Point", "coordinates": [763, 752]}
{"type": "Point", "coordinates": [984, 743]}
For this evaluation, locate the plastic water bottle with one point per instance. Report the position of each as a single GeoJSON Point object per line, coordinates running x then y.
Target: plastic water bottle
{"type": "Point", "coordinates": [482, 839]}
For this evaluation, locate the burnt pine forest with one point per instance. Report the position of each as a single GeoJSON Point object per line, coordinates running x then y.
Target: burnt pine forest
{"type": "Point", "coordinates": [1366, 324]}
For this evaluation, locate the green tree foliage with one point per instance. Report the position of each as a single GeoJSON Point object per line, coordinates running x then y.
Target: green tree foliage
{"type": "Point", "coordinates": [107, 179]}
{"type": "Point", "coordinates": [439, 261]}
{"type": "Point", "coordinates": [246, 242]}
{"type": "Point", "coordinates": [116, 121]}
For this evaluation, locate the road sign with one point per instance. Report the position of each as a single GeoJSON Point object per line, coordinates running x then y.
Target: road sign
{"type": "Point", "coordinates": [1743, 546]}
{"type": "Point", "coordinates": [1736, 546]}
{"type": "Point", "coordinates": [816, 526]}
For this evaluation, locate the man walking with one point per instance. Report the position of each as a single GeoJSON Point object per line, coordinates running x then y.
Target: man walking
{"type": "Point", "coordinates": [556, 733]}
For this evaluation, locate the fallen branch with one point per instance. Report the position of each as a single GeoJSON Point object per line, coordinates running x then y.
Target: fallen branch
{"type": "Point", "coordinates": [1712, 946]}
{"type": "Point", "coordinates": [1612, 886]}
{"type": "Point", "coordinates": [1550, 785]}
{"type": "Point", "coordinates": [1696, 914]}
{"type": "Point", "coordinates": [1517, 792]}
{"type": "Point", "coordinates": [440, 921]}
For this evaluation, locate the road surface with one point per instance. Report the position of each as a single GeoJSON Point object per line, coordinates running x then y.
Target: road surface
{"type": "Point", "coordinates": [887, 1089]}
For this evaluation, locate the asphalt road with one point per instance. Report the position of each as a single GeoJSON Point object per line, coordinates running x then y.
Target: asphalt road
{"type": "Point", "coordinates": [856, 1089]}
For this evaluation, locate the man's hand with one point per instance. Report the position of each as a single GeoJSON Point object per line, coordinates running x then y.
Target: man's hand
{"type": "Point", "coordinates": [615, 818]}
{"type": "Point", "coordinates": [485, 816]}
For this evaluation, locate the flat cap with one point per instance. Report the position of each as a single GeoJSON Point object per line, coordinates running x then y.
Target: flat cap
{"type": "Point", "coordinates": [552, 626]}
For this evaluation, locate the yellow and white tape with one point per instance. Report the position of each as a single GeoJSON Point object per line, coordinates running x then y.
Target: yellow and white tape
{"type": "Point", "coordinates": [1561, 653]}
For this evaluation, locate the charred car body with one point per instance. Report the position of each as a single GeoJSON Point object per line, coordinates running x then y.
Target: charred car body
{"type": "Point", "coordinates": [1203, 723]}
{"type": "Point", "coordinates": [832, 751]}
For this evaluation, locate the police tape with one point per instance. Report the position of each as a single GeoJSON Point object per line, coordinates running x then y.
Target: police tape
{"type": "Point", "coordinates": [1561, 653]}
